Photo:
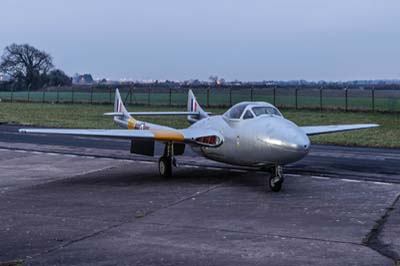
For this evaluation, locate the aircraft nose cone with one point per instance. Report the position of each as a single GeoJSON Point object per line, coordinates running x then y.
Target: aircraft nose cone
{"type": "Point", "coordinates": [297, 139]}
{"type": "Point", "coordinates": [302, 142]}
{"type": "Point", "coordinates": [288, 141]}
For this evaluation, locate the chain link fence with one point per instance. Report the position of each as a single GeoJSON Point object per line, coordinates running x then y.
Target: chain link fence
{"type": "Point", "coordinates": [288, 97]}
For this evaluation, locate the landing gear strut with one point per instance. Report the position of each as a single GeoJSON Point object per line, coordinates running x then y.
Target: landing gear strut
{"type": "Point", "coordinates": [166, 161]}
{"type": "Point", "coordinates": [276, 178]}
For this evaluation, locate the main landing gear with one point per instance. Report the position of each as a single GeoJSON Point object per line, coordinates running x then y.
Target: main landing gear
{"type": "Point", "coordinates": [166, 161]}
{"type": "Point", "coordinates": [276, 178]}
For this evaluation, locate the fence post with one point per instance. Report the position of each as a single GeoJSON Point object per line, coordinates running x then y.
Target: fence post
{"type": "Point", "coordinates": [91, 95]}
{"type": "Point", "coordinates": [12, 93]}
{"type": "Point", "coordinates": [208, 97]}
{"type": "Point", "coordinates": [148, 96]}
{"type": "Point", "coordinates": [346, 96]}
{"type": "Point", "coordinates": [43, 96]}
{"type": "Point", "coordinates": [72, 95]}
{"type": "Point", "coordinates": [130, 95]}
{"type": "Point", "coordinates": [58, 96]}
{"type": "Point", "coordinates": [251, 94]}
{"type": "Point", "coordinates": [296, 92]}
{"type": "Point", "coordinates": [29, 93]}
{"type": "Point", "coordinates": [274, 96]}
{"type": "Point", "coordinates": [170, 96]}
{"type": "Point", "coordinates": [373, 99]}
{"type": "Point", "coordinates": [230, 96]}
{"type": "Point", "coordinates": [320, 99]}
{"type": "Point", "coordinates": [110, 91]}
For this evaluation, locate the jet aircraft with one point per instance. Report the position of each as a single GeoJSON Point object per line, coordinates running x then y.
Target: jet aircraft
{"type": "Point", "coordinates": [253, 134]}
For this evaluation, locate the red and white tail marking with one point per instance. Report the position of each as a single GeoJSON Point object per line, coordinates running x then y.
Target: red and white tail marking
{"type": "Point", "coordinates": [194, 105]}
{"type": "Point", "coordinates": [119, 106]}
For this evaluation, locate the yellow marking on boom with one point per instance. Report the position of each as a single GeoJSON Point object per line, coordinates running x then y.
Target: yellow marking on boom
{"type": "Point", "coordinates": [131, 123]}
{"type": "Point", "coordinates": [167, 135]}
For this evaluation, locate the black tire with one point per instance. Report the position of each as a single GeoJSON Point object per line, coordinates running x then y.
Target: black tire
{"type": "Point", "coordinates": [165, 167]}
{"type": "Point", "coordinates": [275, 186]}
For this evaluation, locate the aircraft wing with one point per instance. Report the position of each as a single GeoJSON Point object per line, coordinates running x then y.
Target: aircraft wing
{"type": "Point", "coordinates": [316, 130]}
{"type": "Point", "coordinates": [207, 138]}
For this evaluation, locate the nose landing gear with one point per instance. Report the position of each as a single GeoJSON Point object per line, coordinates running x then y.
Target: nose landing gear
{"type": "Point", "coordinates": [276, 178]}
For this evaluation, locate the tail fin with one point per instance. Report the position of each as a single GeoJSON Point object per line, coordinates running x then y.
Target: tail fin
{"type": "Point", "coordinates": [119, 106]}
{"type": "Point", "coordinates": [194, 106]}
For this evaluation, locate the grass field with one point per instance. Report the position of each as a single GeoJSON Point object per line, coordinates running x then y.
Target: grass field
{"type": "Point", "coordinates": [358, 100]}
{"type": "Point", "coordinates": [90, 116]}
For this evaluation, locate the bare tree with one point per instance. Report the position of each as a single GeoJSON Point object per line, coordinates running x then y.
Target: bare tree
{"type": "Point", "coordinates": [26, 64]}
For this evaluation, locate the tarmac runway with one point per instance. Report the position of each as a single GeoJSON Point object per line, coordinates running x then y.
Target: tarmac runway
{"type": "Point", "coordinates": [74, 201]}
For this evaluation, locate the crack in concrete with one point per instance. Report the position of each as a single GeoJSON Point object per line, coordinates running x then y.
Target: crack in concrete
{"type": "Point", "coordinates": [257, 234]}
{"type": "Point", "coordinates": [123, 223]}
{"type": "Point", "coordinates": [372, 240]}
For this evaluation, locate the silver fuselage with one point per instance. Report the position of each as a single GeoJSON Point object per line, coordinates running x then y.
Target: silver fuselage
{"type": "Point", "coordinates": [263, 141]}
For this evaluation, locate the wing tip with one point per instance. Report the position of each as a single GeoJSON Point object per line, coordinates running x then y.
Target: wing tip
{"type": "Point", "coordinates": [371, 125]}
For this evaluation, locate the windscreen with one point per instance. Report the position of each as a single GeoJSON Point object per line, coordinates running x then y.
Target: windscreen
{"type": "Point", "coordinates": [236, 111]}
{"type": "Point", "coordinates": [265, 110]}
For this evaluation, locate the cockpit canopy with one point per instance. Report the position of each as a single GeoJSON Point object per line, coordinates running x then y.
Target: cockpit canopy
{"type": "Point", "coordinates": [249, 110]}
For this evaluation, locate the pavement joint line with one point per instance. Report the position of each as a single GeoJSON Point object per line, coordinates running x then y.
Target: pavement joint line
{"type": "Point", "coordinates": [257, 233]}
{"type": "Point", "coordinates": [194, 195]}
{"type": "Point", "coordinates": [90, 157]}
{"type": "Point", "coordinates": [351, 180]}
{"type": "Point", "coordinates": [214, 168]}
{"type": "Point", "coordinates": [67, 177]}
{"type": "Point", "coordinates": [145, 162]}
{"type": "Point", "coordinates": [124, 160]}
{"type": "Point", "coordinates": [71, 155]}
{"type": "Point", "coordinates": [127, 222]}
{"type": "Point", "coordinates": [380, 183]}
{"type": "Point", "coordinates": [320, 177]}
{"type": "Point", "coordinates": [53, 249]}
{"type": "Point", "coordinates": [238, 171]}
{"type": "Point", "coordinates": [186, 165]}
{"type": "Point", "coordinates": [372, 239]}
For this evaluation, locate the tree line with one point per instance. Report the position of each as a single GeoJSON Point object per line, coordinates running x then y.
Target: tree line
{"type": "Point", "coordinates": [30, 68]}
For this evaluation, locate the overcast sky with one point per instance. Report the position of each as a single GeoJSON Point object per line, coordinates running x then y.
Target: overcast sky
{"type": "Point", "coordinates": [246, 40]}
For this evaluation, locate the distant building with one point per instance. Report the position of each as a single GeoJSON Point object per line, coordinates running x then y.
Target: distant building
{"type": "Point", "coordinates": [4, 77]}
{"type": "Point", "coordinates": [85, 79]}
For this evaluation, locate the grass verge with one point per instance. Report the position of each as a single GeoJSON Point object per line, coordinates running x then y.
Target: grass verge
{"type": "Point", "coordinates": [90, 116]}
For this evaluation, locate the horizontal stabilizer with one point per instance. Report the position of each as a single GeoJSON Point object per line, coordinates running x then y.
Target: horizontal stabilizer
{"type": "Point", "coordinates": [114, 113]}
{"type": "Point", "coordinates": [152, 113]}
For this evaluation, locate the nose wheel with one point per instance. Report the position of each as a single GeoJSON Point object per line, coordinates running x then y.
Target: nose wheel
{"type": "Point", "coordinates": [276, 179]}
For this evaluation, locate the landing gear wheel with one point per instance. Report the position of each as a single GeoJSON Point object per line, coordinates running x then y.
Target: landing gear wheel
{"type": "Point", "coordinates": [276, 179]}
{"type": "Point", "coordinates": [274, 185]}
{"type": "Point", "coordinates": [165, 166]}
